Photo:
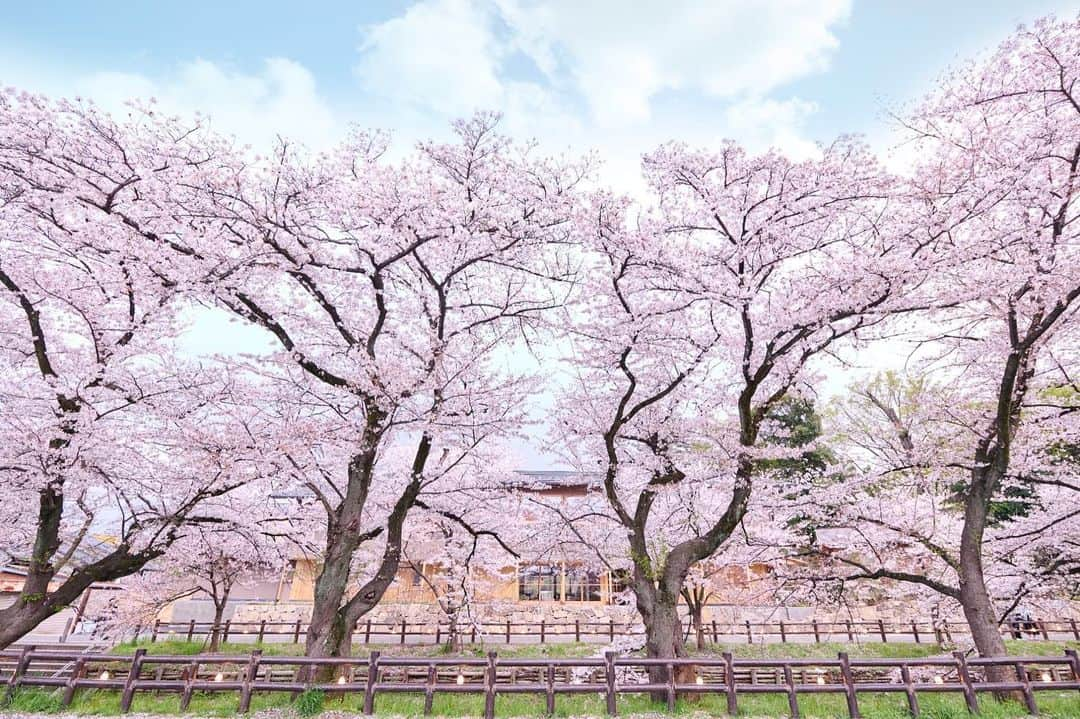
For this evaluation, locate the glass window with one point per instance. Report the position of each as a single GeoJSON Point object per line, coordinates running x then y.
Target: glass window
{"type": "Point", "coordinates": [539, 583]}
{"type": "Point", "coordinates": [582, 585]}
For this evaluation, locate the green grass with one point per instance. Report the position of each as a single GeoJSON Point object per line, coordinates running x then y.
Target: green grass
{"type": "Point", "coordinates": [1057, 705]}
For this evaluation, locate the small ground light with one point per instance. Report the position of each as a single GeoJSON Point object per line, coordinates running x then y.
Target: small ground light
{"type": "Point", "coordinates": [460, 679]}
{"type": "Point", "coordinates": [219, 677]}
{"type": "Point", "coordinates": [104, 676]}
{"type": "Point", "coordinates": [341, 680]}
{"type": "Point", "coordinates": [1046, 677]}
{"type": "Point", "coordinates": [938, 679]}
{"type": "Point", "coordinates": [820, 678]}
{"type": "Point", "coordinates": [699, 681]}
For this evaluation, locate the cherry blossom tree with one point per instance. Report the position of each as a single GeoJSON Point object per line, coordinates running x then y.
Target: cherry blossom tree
{"type": "Point", "coordinates": [462, 554]}
{"type": "Point", "coordinates": [700, 316]}
{"type": "Point", "coordinates": [1000, 142]}
{"type": "Point", "coordinates": [210, 561]}
{"type": "Point", "coordinates": [106, 434]}
{"type": "Point", "coordinates": [900, 512]}
{"type": "Point", "coordinates": [393, 291]}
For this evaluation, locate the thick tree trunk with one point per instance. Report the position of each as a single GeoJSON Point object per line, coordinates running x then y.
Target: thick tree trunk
{"type": "Point", "coordinates": [664, 640]}
{"type": "Point", "coordinates": [975, 599]}
{"type": "Point", "coordinates": [37, 602]}
{"type": "Point", "coordinates": [335, 613]}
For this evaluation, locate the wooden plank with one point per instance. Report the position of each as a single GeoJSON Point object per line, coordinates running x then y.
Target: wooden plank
{"type": "Point", "coordinates": [792, 700]}
{"type": "Point", "coordinates": [970, 699]}
{"type": "Point", "coordinates": [1029, 696]}
{"type": "Point", "coordinates": [250, 674]}
{"type": "Point", "coordinates": [489, 686]}
{"type": "Point", "coordinates": [729, 684]}
{"type": "Point", "coordinates": [369, 686]}
{"type": "Point", "coordinates": [72, 681]}
{"type": "Point", "coordinates": [133, 676]}
{"type": "Point", "coordinates": [17, 676]}
{"type": "Point", "coordinates": [909, 691]}
{"type": "Point", "coordinates": [609, 680]}
{"type": "Point", "coordinates": [849, 686]}
{"type": "Point", "coordinates": [429, 690]}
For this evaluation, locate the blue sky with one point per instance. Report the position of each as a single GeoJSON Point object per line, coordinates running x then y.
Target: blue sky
{"type": "Point", "coordinates": [617, 76]}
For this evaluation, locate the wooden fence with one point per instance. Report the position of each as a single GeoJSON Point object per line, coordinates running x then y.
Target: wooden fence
{"type": "Point", "coordinates": [610, 677]}
{"type": "Point", "coordinates": [507, 632]}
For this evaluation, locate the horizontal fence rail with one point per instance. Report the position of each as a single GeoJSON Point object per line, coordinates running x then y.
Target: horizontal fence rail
{"type": "Point", "coordinates": [508, 632]}
{"type": "Point", "coordinates": [610, 677]}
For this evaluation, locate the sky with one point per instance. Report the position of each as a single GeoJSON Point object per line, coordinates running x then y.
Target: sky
{"type": "Point", "coordinates": [617, 77]}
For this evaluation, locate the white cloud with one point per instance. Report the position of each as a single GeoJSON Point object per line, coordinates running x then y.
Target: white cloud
{"type": "Point", "coordinates": [620, 57]}
{"type": "Point", "coordinates": [605, 75]}
{"type": "Point", "coordinates": [440, 53]}
{"type": "Point", "coordinates": [280, 99]}
{"type": "Point", "coordinates": [761, 123]}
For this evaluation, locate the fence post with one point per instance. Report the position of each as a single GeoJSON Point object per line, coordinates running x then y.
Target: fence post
{"type": "Point", "coordinates": [429, 688]}
{"type": "Point", "coordinates": [715, 634]}
{"type": "Point", "coordinates": [70, 684]}
{"type": "Point", "coordinates": [609, 678]}
{"type": "Point", "coordinates": [367, 631]}
{"type": "Point", "coordinates": [729, 684]}
{"type": "Point", "coordinates": [190, 630]}
{"type": "Point", "coordinates": [577, 630]}
{"type": "Point", "coordinates": [489, 686]}
{"type": "Point", "coordinates": [438, 633]}
{"type": "Point", "coordinates": [793, 702]}
{"type": "Point", "coordinates": [249, 679]}
{"type": "Point", "coordinates": [262, 631]}
{"type": "Point", "coordinates": [403, 623]}
{"type": "Point", "coordinates": [133, 676]}
{"type": "Point", "coordinates": [225, 632]}
{"type": "Point", "coordinates": [817, 634]}
{"type": "Point", "coordinates": [670, 686]}
{"type": "Point", "coordinates": [369, 685]}
{"type": "Point", "coordinates": [1041, 624]}
{"type": "Point", "coordinates": [749, 633]}
{"type": "Point", "coordinates": [909, 690]}
{"type": "Point", "coordinates": [541, 631]}
{"type": "Point", "coordinates": [881, 631]}
{"type": "Point", "coordinates": [915, 631]}
{"type": "Point", "coordinates": [1029, 696]}
{"type": "Point", "coordinates": [67, 629]}
{"type": "Point", "coordinates": [849, 686]}
{"type": "Point", "coordinates": [189, 684]}
{"type": "Point", "coordinates": [16, 677]}
{"type": "Point", "coordinates": [296, 633]}
{"type": "Point", "coordinates": [783, 632]}
{"type": "Point", "coordinates": [1074, 663]}
{"type": "Point", "coordinates": [970, 699]}
{"type": "Point", "coordinates": [850, 635]}
{"type": "Point", "coordinates": [472, 636]}
{"type": "Point", "coordinates": [154, 631]}
{"type": "Point", "coordinates": [611, 629]}
{"type": "Point", "coordinates": [549, 689]}
{"type": "Point", "coordinates": [507, 631]}
{"type": "Point", "coordinates": [1075, 629]}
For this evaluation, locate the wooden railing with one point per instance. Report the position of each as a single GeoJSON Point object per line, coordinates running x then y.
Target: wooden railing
{"type": "Point", "coordinates": [507, 632]}
{"type": "Point", "coordinates": [611, 677]}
